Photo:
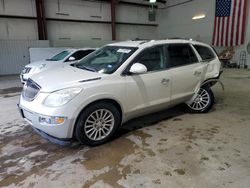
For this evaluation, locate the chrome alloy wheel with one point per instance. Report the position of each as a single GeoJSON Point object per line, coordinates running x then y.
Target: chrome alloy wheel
{"type": "Point", "coordinates": [99, 124]}
{"type": "Point", "coordinates": [201, 101]}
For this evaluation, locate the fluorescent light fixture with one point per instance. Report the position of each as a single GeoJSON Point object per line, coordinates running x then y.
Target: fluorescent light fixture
{"type": "Point", "coordinates": [200, 16]}
{"type": "Point", "coordinates": [152, 1]}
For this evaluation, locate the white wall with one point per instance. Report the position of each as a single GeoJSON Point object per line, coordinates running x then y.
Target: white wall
{"type": "Point", "coordinates": [14, 54]}
{"type": "Point", "coordinates": [178, 22]}
{"type": "Point", "coordinates": [18, 7]}
{"type": "Point", "coordinates": [18, 28]}
{"type": "Point", "coordinates": [74, 10]}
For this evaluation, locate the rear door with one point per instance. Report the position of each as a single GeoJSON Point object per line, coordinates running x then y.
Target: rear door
{"type": "Point", "coordinates": [186, 71]}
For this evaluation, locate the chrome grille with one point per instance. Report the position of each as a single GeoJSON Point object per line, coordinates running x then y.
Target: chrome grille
{"type": "Point", "coordinates": [30, 90]}
{"type": "Point", "coordinates": [26, 70]}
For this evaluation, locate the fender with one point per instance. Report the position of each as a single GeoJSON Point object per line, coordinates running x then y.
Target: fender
{"type": "Point", "coordinates": [212, 81]}
{"type": "Point", "coordinates": [209, 82]}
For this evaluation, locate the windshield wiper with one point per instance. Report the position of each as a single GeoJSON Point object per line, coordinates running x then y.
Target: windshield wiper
{"type": "Point", "coordinates": [85, 68]}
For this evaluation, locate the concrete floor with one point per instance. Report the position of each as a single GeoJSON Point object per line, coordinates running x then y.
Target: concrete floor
{"type": "Point", "coordinates": [166, 149]}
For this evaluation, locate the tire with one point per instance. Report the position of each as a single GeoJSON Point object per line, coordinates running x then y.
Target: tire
{"type": "Point", "coordinates": [203, 102]}
{"type": "Point", "coordinates": [97, 124]}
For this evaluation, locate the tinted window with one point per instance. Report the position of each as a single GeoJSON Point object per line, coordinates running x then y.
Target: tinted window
{"type": "Point", "coordinates": [205, 52]}
{"type": "Point", "coordinates": [80, 54]}
{"type": "Point", "coordinates": [180, 55]}
{"type": "Point", "coordinates": [152, 58]}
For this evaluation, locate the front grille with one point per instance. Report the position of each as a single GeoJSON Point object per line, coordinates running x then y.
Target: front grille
{"type": "Point", "coordinates": [30, 90]}
{"type": "Point", "coordinates": [26, 70]}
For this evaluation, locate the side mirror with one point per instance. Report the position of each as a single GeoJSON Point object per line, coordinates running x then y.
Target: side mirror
{"type": "Point", "coordinates": [138, 68]}
{"type": "Point", "coordinates": [72, 58]}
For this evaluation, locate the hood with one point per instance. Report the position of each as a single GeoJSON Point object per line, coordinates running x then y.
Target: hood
{"type": "Point", "coordinates": [43, 62]}
{"type": "Point", "coordinates": [63, 77]}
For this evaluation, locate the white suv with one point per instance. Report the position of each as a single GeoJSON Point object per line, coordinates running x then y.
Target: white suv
{"type": "Point", "coordinates": [67, 56]}
{"type": "Point", "coordinates": [118, 82]}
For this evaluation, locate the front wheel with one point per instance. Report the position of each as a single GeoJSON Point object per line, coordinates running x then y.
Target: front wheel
{"type": "Point", "coordinates": [203, 102]}
{"type": "Point", "coordinates": [97, 124]}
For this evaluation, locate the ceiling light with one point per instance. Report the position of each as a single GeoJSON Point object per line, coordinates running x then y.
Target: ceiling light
{"type": "Point", "coordinates": [152, 1]}
{"type": "Point", "coordinates": [200, 16]}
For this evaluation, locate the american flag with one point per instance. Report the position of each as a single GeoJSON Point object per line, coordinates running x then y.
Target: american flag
{"type": "Point", "coordinates": [230, 22]}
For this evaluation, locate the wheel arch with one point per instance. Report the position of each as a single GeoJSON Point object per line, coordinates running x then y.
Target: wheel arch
{"type": "Point", "coordinates": [108, 100]}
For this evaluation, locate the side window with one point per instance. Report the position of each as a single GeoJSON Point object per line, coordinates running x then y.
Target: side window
{"type": "Point", "coordinates": [205, 52]}
{"type": "Point", "coordinates": [180, 55]}
{"type": "Point", "coordinates": [152, 58]}
{"type": "Point", "coordinates": [80, 54]}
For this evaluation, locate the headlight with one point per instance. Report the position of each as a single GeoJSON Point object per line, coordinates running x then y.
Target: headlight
{"type": "Point", "coordinates": [38, 69]}
{"type": "Point", "coordinates": [61, 97]}
{"type": "Point", "coordinates": [41, 66]}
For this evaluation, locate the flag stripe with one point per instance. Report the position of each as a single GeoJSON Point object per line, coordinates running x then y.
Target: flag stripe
{"type": "Point", "coordinates": [238, 23]}
{"type": "Point", "coordinates": [243, 31]}
{"type": "Point", "coordinates": [232, 28]}
{"type": "Point", "coordinates": [227, 31]}
{"type": "Point", "coordinates": [222, 31]}
{"type": "Point", "coordinates": [218, 32]}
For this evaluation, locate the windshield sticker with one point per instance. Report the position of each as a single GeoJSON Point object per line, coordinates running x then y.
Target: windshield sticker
{"type": "Point", "coordinates": [126, 51]}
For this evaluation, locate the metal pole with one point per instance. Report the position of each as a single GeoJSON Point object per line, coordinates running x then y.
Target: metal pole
{"type": "Point", "coordinates": [41, 20]}
{"type": "Point", "coordinates": [45, 35]}
{"type": "Point", "coordinates": [113, 20]}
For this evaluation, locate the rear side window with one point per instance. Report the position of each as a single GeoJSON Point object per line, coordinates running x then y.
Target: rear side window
{"type": "Point", "coordinates": [205, 52]}
{"type": "Point", "coordinates": [180, 55]}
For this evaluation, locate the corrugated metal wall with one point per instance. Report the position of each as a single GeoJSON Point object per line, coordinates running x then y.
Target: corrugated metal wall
{"type": "Point", "coordinates": [14, 54]}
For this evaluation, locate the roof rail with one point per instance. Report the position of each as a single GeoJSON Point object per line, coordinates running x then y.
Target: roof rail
{"type": "Point", "coordinates": [176, 38]}
{"type": "Point", "coordinates": [136, 39]}
{"type": "Point", "coordinates": [142, 40]}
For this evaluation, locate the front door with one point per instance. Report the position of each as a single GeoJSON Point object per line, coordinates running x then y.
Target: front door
{"type": "Point", "coordinates": [149, 91]}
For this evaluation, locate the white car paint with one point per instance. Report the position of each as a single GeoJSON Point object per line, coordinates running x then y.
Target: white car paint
{"type": "Point", "coordinates": [136, 94]}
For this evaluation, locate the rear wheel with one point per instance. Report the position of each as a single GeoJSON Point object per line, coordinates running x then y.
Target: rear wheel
{"type": "Point", "coordinates": [203, 102]}
{"type": "Point", "coordinates": [97, 124]}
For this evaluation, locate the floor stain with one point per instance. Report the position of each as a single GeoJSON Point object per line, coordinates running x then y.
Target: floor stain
{"type": "Point", "coordinates": [109, 155]}
{"type": "Point", "coordinates": [10, 90]}
{"type": "Point", "coordinates": [167, 173]}
{"type": "Point", "coordinates": [157, 181]}
{"type": "Point", "coordinates": [180, 171]}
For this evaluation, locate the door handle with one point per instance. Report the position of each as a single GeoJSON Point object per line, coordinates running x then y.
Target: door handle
{"type": "Point", "coordinates": [165, 81]}
{"type": "Point", "coordinates": [197, 73]}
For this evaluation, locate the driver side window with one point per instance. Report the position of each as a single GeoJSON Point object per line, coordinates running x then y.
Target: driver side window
{"type": "Point", "coordinates": [152, 58]}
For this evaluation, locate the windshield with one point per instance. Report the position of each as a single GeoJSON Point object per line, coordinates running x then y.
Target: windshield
{"type": "Point", "coordinates": [59, 56]}
{"type": "Point", "coordinates": [106, 60]}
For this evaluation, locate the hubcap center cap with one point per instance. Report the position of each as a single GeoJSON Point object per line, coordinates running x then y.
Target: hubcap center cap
{"type": "Point", "coordinates": [99, 124]}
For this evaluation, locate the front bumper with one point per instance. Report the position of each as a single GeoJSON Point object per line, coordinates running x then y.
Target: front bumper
{"type": "Point", "coordinates": [52, 132]}
{"type": "Point", "coordinates": [62, 142]}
